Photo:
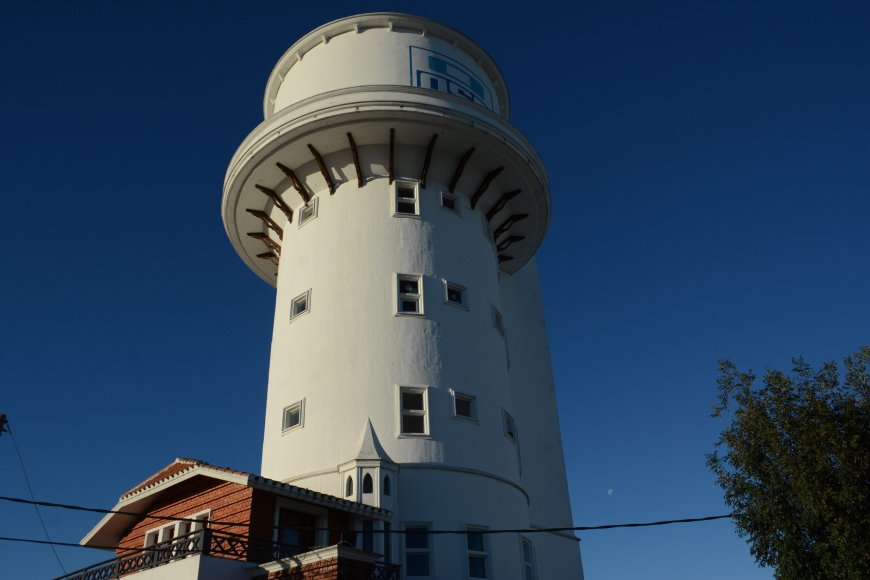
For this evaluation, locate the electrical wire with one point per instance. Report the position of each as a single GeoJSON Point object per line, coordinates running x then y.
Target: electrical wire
{"type": "Point", "coordinates": [400, 532]}
{"type": "Point", "coordinates": [30, 490]}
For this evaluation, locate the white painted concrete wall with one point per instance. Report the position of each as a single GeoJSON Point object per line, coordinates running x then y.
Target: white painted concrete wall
{"type": "Point", "coordinates": [349, 354]}
{"type": "Point", "coordinates": [534, 397]}
{"type": "Point", "coordinates": [194, 567]}
{"type": "Point", "coordinates": [374, 50]}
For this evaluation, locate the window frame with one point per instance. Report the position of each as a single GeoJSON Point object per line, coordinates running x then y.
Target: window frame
{"type": "Point", "coordinates": [530, 566]}
{"type": "Point", "coordinates": [395, 199]}
{"type": "Point", "coordinates": [508, 419]}
{"type": "Point", "coordinates": [482, 554]}
{"type": "Point", "coordinates": [498, 321]}
{"type": "Point", "coordinates": [463, 294]}
{"type": "Point", "coordinates": [321, 534]}
{"type": "Point", "coordinates": [301, 405]}
{"type": "Point", "coordinates": [406, 296]}
{"type": "Point", "coordinates": [312, 204]}
{"type": "Point", "coordinates": [472, 400]}
{"type": "Point", "coordinates": [428, 550]}
{"type": "Point", "coordinates": [161, 530]}
{"type": "Point", "coordinates": [454, 198]}
{"type": "Point", "coordinates": [306, 297]}
{"type": "Point", "coordinates": [424, 392]}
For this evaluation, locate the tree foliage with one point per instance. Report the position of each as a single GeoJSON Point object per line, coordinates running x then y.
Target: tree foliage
{"type": "Point", "coordinates": [794, 464]}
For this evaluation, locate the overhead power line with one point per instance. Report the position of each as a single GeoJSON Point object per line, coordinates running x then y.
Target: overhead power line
{"type": "Point", "coordinates": [401, 532]}
{"type": "Point", "coordinates": [6, 427]}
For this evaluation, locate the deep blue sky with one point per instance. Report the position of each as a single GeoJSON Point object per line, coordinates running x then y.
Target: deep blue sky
{"type": "Point", "coordinates": [710, 179]}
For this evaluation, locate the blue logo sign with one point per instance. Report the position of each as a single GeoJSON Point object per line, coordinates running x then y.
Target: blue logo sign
{"type": "Point", "coordinates": [439, 72]}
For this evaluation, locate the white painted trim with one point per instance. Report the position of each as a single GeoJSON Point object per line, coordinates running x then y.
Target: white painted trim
{"type": "Point", "coordinates": [304, 296]}
{"type": "Point", "coordinates": [300, 425]}
{"type": "Point", "coordinates": [423, 390]}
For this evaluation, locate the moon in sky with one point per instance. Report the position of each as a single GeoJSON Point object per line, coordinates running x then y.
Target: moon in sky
{"type": "Point", "coordinates": [609, 492]}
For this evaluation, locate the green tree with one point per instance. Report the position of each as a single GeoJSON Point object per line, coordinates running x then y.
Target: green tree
{"type": "Point", "coordinates": [794, 463]}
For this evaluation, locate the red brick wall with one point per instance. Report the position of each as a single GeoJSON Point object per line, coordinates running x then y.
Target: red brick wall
{"type": "Point", "coordinates": [228, 502]}
{"type": "Point", "coordinates": [327, 570]}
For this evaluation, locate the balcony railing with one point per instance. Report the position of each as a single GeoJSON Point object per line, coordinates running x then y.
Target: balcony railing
{"type": "Point", "coordinates": [213, 543]}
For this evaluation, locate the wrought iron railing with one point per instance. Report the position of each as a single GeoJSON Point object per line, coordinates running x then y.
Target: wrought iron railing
{"type": "Point", "coordinates": [223, 545]}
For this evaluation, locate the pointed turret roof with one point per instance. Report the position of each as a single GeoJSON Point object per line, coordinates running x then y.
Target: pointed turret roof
{"type": "Point", "coordinates": [368, 446]}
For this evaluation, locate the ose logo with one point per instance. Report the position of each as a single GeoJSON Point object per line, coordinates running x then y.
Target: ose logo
{"type": "Point", "coordinates": [432, 70]}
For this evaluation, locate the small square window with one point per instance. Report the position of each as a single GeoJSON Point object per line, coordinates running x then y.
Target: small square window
{"type": "Point", "coordinates": [300, 305]}
{"type": "Point", "coordinates": [293, 416]}
{"type": "Point", "coordinates": [510, 428]}
{"type": "Point", "coordinates": [308, 211]}
{"type": "Point", "coordinates": [413, 411]}
{"type": "Point", "coordinates": [455, 295]}
{"type": "Point", "coordinates": [406, 198]}
{"type": "Point", "coordinates": [409, 294]}
{"type": "Point", "coordinates": [498, 321]}
{"type": "Point", "coordinates": [464, 406]}
{"type": "Point", "coordinates": [450, 202]}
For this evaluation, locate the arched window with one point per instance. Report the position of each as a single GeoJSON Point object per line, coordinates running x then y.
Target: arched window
{"type": "Point", "coordinates": [388, 487]}
{"type": "Point", "coordinates": [368, 486]}
{"type": "Point", "coordinates": [348, 487]}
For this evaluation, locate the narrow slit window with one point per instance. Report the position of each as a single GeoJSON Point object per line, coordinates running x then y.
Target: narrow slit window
{"type": "Point", "coordinates": [368, 484]}
{"type": "Point", "coordinates": [498, 321]}
{"type": "Point", "coordinates": [510, 427]}
{"type": "Point", "coordinates": [528, 551]}
{"type": "Point", "coordinates": [348, 487]}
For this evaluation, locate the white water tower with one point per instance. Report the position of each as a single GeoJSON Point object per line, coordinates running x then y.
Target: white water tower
{"type": "Point", "coordinates": [397, 212]}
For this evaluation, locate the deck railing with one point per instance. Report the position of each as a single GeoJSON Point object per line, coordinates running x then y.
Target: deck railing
{"type": "Point", "coordinates": [211, 543]}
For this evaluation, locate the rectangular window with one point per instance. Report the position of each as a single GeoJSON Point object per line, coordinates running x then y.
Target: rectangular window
{"type": "Point", "coordinates": [455, 295]}
{"type": "Point", "coordinates": [477, 557]}
{"type": "Point", "coordinates": [388, 543]}
{"type": "Point", "coordinates": [300, 305]}
{"type": "Point", "coordinates": [498, 321]}
{"type": "Point", "coordinates": [308, 211]}
{"type": "Point", "coordinates": [413, 411]}
{"type": "Point", "coordinates": [510, 428]}
{"type": "Point", "coordinates": [530, 571]}
{"type": "Point", "coordinates": [418, 552]}
{"type": "Point", "coordinates": [406, 198]}
{"type": "Point", "coordinates": [409, 294]}
{"type": "Point", "coordinates": [449, 202]}
{"type": "Point", "coordinates": [177, 531]}
{"type": "Point", "coordinates": [293, 416]}
{"type": "Point", "coordinates": [297, 529]}
{"type": "Point", "coordinates": [464, 406]}
{"type": "Point", "coordinates": [368, 536]}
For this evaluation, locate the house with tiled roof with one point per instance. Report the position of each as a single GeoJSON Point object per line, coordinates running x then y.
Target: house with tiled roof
{"type": "Point", "coordinates": [194, 520]}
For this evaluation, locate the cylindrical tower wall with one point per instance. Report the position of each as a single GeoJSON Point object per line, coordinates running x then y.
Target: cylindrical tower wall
{"type": "Point", "coordinates": [348, 356]}
{"type": "Point", "coordinates": [385, 49]}
{"type": "Point", "coordinates": [354, 111]}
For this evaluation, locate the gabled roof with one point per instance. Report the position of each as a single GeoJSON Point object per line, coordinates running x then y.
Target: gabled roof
{"type": "Point", "coordinates": [140, 498]}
